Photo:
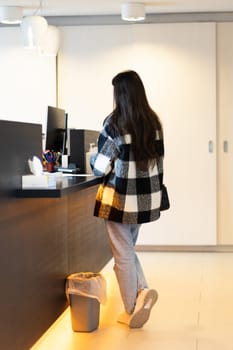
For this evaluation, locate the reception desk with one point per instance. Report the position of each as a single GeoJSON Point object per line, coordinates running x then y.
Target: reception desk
{"type": "Point", "coordinates": [45, 235]}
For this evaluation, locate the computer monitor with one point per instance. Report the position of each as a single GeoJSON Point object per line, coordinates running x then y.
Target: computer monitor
{"type": "Point", "coordinates": [56, 132]}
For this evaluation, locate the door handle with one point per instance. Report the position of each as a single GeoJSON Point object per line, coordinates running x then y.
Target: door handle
{"type": "Point", "coordinates": [211, 146]}
{"type": "Point", "coordinates": [225, 146]}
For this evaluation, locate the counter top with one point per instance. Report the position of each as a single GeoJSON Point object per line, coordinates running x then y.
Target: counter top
{"type": "Point", "coordinates": [68, 184]}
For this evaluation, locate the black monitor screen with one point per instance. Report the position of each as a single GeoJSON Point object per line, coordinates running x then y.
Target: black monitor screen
{"type": "Point", "coordinates": [56, 130]}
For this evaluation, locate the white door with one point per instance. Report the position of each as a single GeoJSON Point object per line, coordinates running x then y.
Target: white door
{"type": "Point", "coordinates": [181, 77]}
{"type": "Point", "coordinates": [225, 126]}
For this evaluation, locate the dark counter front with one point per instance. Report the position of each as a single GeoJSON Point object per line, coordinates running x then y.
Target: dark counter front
{"type": "Point", "coordinates": [45, 235]}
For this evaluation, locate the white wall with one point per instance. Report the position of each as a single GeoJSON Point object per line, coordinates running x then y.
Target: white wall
{"type": "Point", "coordinates": [177, 64]}
{"type": "Point", "coordinates": [28, 80]}
{"type": "Point", "coordinates": [88, 59]}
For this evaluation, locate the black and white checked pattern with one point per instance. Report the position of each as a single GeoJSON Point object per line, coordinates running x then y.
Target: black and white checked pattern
{"type": "Point", "coordinates": [127, 195]}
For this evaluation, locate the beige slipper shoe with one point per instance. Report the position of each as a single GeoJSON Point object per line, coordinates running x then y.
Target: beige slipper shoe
{"type": "Point", "coordinates": [145, 301]}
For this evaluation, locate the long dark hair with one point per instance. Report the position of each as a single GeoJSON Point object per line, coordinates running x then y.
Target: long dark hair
{"type": "Point", "coordinates": [132, 114]}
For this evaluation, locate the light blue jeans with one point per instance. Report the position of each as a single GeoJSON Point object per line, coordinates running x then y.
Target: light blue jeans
{"type": "Point", "coordinates": [127, 267]}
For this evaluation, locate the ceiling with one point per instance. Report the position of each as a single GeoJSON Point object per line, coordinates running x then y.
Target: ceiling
{"type": "Point", "coordinates": [112, 7]}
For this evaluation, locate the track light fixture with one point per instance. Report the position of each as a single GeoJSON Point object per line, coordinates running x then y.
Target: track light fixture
{"type": "Point", "coordinates": [11, 14]}
{"type": "Point", "coordinates": [133, 11]}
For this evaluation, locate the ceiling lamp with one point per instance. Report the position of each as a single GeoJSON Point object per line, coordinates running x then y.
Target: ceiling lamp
{"type": "Point", "coordinates": [34, 29]}
{"type": "Point", "coordinates": [11, 14]}
{"type": "Point", "coordinates": [133, 11]}
{"type": "Point", "coordinates": [51, 41]}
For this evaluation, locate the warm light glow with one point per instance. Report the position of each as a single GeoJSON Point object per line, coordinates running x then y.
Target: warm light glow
{"type": "Point", "coordinates": [58, 334]}
{"type": "Point", "coordinates": [61, 336]}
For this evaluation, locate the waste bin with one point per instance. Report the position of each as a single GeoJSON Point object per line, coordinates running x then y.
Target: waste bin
{"type": "Point", "coordinates": [85, 291]}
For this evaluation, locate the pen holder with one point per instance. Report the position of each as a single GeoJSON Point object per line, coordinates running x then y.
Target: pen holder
{"type": "Point", "coordinates": [50, 167]}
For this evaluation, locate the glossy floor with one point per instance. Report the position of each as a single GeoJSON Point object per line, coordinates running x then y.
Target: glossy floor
{"type": "Point", "coordinates": [194, 310]}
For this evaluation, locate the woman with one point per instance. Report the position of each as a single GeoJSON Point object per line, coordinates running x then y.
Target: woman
{"type": "Point", "coordinates": [130, 159]}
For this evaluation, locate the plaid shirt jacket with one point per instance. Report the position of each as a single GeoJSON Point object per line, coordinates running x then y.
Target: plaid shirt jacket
{"type": "Point", "coordinates": [126, 195]}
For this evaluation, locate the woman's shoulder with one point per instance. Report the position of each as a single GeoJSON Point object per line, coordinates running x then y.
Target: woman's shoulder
{"type": "Point", "coordinates": [109, 128]}
{"type": "Point", "coordinates": [107, 120]}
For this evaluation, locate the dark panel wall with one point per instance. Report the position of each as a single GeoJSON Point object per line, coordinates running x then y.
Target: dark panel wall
{"type": "Point", "coordinates": [83, 227]}
{"type": "Point", "coordinates": [33, 266]}
{"type": "Point", "coordinates": [42, 241]}
{"type": "Point", "coordinates": [18, 142]}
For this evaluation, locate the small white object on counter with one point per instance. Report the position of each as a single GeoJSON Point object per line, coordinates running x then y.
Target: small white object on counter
{"type": "Point", "coordinates": [39, 179]}
{"type": "Point", "coordinates": [35, 166]}
{"type": "Point", "coordinates": [45, 180]}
